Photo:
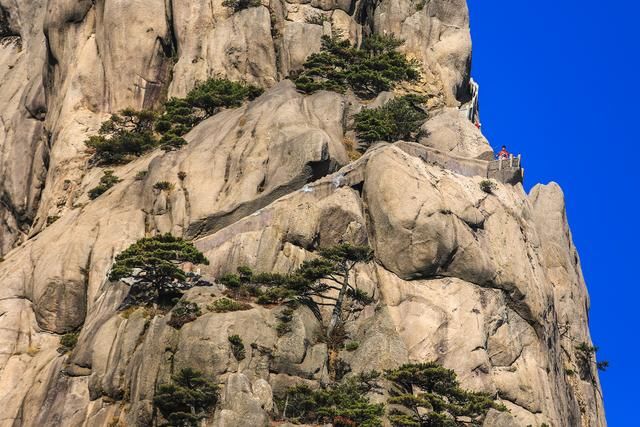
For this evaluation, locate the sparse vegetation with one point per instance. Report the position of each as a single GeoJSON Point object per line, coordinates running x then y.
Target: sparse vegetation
{"type": "Point", "coordinates": [317, 18]}
{"type": "Point", "coordinates": [398, 119]}
{"type": "Point", "coordinates": [183, 313]}
{"type": "Point", "coordinates": [283, 328]}
{"type": "Point", "coordinates": [224, 305]}
{"type": "Point", "coordinates": [131, 133]}
{"type": "Point", "coordinates": [488, 186]}
{"type": "Point", "coordinates": [343, 404]}
{"type": "Point", "coordinates": [107, 181]}
{"type": "Point", "coordinates": [586, 359]}
{"type": "Point", "coordinates": [285, 317]}
{"type": "Point", "coordinates": [238, 5]}
{"type": "Point", "coordinates": [239, 285]}
{"type": "Point", "coordinates": [352, 149]}
{"type": "Point", "coordinates": [141, 175]}
{"type": "Point", "coordinates": [182, 175]}
{"type": "Point", "coordinates": [237, 347]}
{"type": "Point", "coordinates": [375, 67]}
{"type": "Point", "coordinates": [351, 346]}
{"type": "Point", "coordinates": [147, 312]}
{"type": "Point", "coordinates": [189, 398]}
{"type": "Point", "coordinates": [52, 218]}
{"type": "Point", "coordinates": [154, 266]}
{"type": "Point", "coordinates": [431, 396]}
{"type": "Point", "coordinates": [32, 350]}
{"type": "Point", "coordinates": [163, 186]}
{"type": "Point", "coordinates": [68, 342]}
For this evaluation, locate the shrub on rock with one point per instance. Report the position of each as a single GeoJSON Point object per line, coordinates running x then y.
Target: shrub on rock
{"type": "Point", "coordinates": [107, 181]}
{"type": "Point", "coordinates": [163, 186]}
{"type": "Point", "coordinates": [68, 342]}
{"type": "Point", "coordinates": [183, 313]}
{"type": "Point", "coordinates": [238, 5]}
{"type": "Point", "coordinates": [398, 119]}
{"type": "Point", "coordinates": [488, 186]}
{"type": "Point", "coordinates": [225, 305]}
{"type": "Point", "coordinates": [237, 347]}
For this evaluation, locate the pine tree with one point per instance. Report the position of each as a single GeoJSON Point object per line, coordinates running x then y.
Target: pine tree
{"type": "Point", "coordinates": [206, 99]}
{"type": "Point", "coordinates": [153, 265]}
{"type": "Point", "coordinates": [313, 281]}
{"type": "Point", "coordinates": [186, 400]}
{"type": "Point", "coordinates": [398, 119]}
{"type": "Point", "coordinates": [126, 134]}
{"type": "Point", "coordinates": [209, 97]}
{"type": "Point", "coordinates": [342, 404]}
{"type": "Point", "coordinates": [430, 396]}
{"type": "Point", "coordinates": [377, 66]}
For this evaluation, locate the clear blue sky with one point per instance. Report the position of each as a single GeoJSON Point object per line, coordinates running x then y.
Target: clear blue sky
{"type": "Point", "coordinates": [558, 83]}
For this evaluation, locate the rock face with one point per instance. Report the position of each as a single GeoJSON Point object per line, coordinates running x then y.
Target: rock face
{"type": "Point", "coordinates": [486, 284]}
{"type": "Point", "coordinates": [453, 133]}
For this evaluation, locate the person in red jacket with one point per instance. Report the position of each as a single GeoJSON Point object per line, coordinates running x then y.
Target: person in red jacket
{"type": "Point", "coordinates": [503, 154]}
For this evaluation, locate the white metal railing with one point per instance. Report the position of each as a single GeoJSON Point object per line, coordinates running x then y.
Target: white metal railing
{"type": "Point", "coordinates": [510, 162]}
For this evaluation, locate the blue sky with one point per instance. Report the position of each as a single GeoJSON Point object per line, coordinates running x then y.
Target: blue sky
{"type": "Point", "coordinates": [558, 82]}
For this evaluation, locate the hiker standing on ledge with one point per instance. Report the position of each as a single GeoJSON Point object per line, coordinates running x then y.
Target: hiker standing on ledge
{"type": "Point", "coordinates": [503, 154]}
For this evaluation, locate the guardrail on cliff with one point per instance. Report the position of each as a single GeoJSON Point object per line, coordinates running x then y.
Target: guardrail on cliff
{"type": "Point", "coordinates": [508, 171]}
{"type": "Point", "coordinates": [511, 162]}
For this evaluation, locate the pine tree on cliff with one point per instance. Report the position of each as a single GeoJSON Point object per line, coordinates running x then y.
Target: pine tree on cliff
{"type": "Point", "coordinates": [187, 399]}
{"type": "Point", "coordinates": [427, 394]}
{"type": "Point", "coordinates": [341, 260]}
{"type": "Point", "coordinates": [152, 266]}
{"type": "Point", "coordinates": [313, 283]}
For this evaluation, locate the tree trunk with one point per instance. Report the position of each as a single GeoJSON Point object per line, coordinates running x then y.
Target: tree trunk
{"type": "Point", "coordinates": [337, 309]}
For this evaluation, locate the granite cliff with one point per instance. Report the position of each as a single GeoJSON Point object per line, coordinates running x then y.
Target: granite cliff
{"type": "Point", "coordinates": [488, 284]}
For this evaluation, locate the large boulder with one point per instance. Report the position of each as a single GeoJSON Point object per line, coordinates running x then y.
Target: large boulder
{"type": "Point", "coordinates": [452, 133]}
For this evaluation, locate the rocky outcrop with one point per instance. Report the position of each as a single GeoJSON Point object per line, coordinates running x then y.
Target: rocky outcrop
{"type": "Point", "coordinates": [92, 58]}
{"type": "Point", "coordinates": [23, 141]}
{"type": "Point", "coordinates": [463, 281]}
{"type": "Point", "coordinates": [486, 284]}
{"type": "Point", "coordinates": [452, 133]}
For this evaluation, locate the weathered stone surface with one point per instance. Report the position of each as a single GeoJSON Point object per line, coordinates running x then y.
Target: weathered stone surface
{"type": "Point", "coordinates": [451, 132]}
{"type": "Point", "coordinates": [23, 148]}
{"type": "Point", "coordinates": [240, 407]}
{"type": "Point", "coordinates": [487, 285]}
{"type": "Point", "coordinates": [437, 35]}
{"type": "Point", "coordinates": [91, 59]}
{"type": "Point", "coordinates": [488, 320]}
{"type": "Point", "coordinates": [571, 301]}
